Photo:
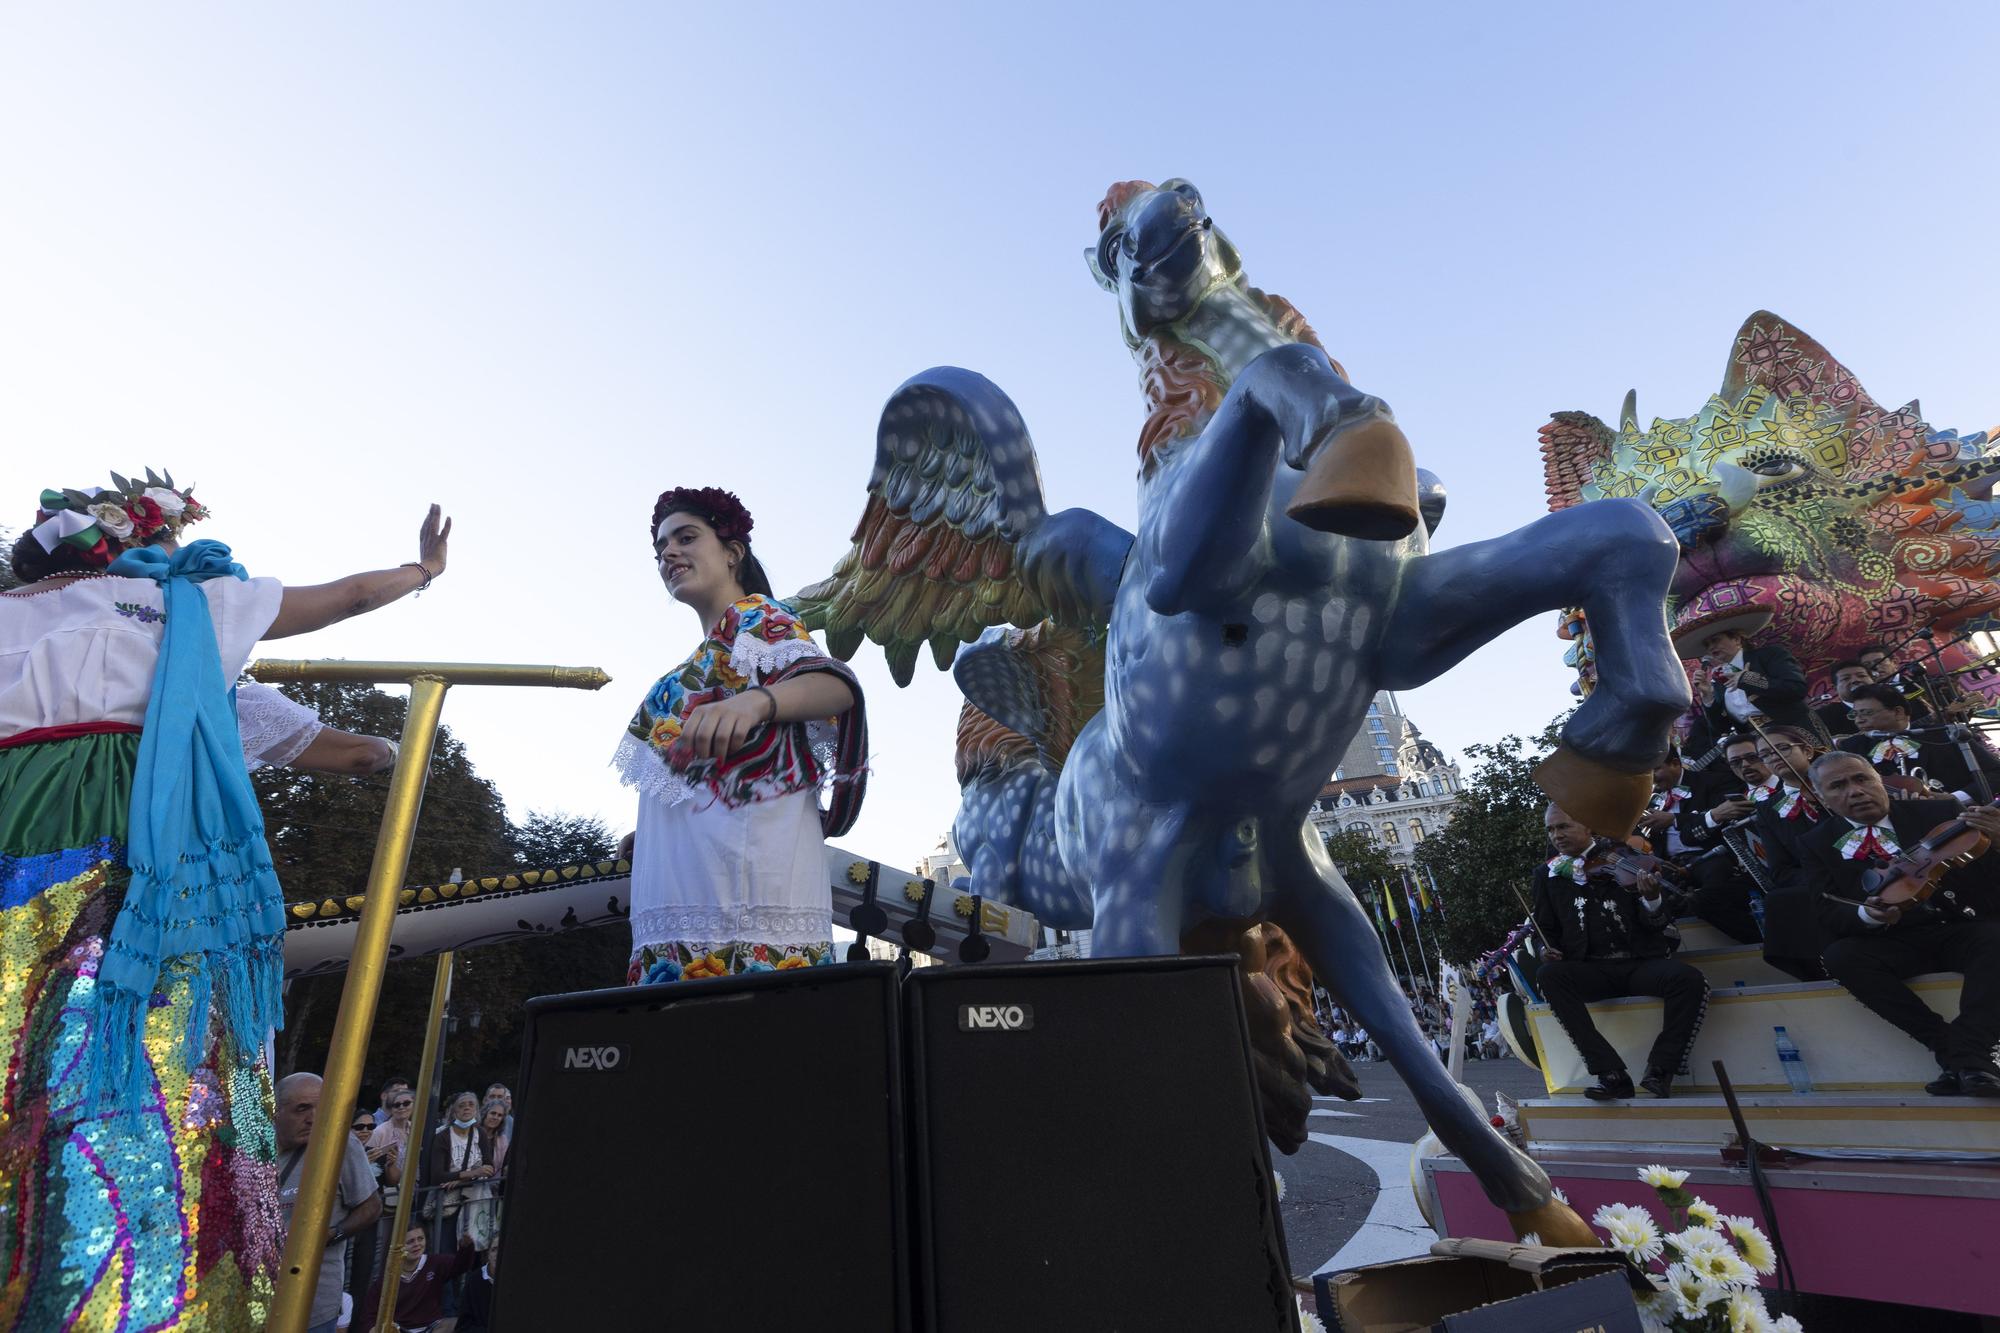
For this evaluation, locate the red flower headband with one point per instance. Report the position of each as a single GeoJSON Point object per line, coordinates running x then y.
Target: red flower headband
{"type": "Point", "coordinates": [724, 512]}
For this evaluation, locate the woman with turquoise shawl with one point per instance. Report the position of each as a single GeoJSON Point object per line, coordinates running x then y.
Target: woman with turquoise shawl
{"type": "Point", "coordinates": [140, 922]}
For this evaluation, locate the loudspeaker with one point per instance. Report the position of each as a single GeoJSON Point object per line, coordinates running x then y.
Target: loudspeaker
{"type": "Point", "coordinates": [1086, 1151]}
{"type": "Point", "coordinates": [710, 1153]}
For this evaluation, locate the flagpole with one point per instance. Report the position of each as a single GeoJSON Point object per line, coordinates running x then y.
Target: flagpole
{"type": "Point", "coordinates": [1417, 929]}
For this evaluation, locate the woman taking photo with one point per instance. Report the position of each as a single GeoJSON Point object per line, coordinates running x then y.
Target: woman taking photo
{"type": "Point", "coordinates": [141, 923]}
{"type": "Point", "coordinates": [728, 752]}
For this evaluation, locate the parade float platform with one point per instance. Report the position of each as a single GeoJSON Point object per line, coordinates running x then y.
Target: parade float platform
{"type": "Point", "coordinates": [1879, 1191]}
{"type": "Point", "coordinates": [522, 904]}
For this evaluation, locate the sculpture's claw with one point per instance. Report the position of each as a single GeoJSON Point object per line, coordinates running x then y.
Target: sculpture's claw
{"type": "Point", "coordinates": [1361, 483]}
{"type": "Point", "coordinates": [1603, 799]}
{"type": "Point", "coordinates": [1555, 1223]}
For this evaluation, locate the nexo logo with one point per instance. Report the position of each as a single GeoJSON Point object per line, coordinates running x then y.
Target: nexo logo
{"type": "Point", "coordinates": [995, 1017]}
{"type": "Point", "coordinates": [602, 1058]}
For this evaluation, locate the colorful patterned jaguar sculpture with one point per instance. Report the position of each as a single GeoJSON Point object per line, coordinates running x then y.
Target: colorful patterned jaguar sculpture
{"type": "Point", "coordinates": [1792, 490]}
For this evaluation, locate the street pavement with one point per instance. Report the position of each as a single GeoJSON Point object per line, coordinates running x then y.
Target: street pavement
{"type": "Point", "coordinates": [1347, 1194]}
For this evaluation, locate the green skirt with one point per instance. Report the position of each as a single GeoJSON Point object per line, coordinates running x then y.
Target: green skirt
{"type": "Point", "coordinates": [160, 1219]}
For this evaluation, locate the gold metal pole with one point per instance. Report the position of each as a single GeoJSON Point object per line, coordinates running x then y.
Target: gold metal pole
{"type": "Point", "coordinates": [307, 1238]}
{"type": "Point", "coordinates": [419, 1140]}
{"type": "Point", "coordinates": [275, 670]}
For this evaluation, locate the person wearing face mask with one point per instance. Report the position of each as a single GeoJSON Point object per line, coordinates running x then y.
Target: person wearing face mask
{"type": "Point", "coordinates": [728, 753]}
{"type": "Point", "coordinates": [456, 1163]}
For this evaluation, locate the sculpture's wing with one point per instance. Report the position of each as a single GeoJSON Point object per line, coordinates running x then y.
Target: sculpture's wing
{"type": "Point", "coordinates": [954, 491]}
{"type": "Point", "coordinates": [1573, 444]}
{"type": "Point", "coordinates": [1043, 683]}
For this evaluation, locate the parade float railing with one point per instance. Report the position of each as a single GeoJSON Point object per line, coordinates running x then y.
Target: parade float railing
{"type": "Point", "coordinates": [428, 681]}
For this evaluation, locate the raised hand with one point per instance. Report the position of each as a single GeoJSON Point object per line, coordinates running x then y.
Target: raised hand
{"type": "Point", "coordinates": [432, 541]}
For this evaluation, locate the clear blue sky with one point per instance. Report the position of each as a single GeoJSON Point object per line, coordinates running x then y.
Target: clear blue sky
{"type": "Point", "coordinates": [540, 262]}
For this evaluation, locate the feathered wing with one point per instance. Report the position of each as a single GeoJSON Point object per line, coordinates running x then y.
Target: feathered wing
{"type": "Point", "coordinates": [1573, 444]}
{"type": "Point", "coordinates": [955, 489]}
{"type": "Point", "coordinates": [1042, 683]}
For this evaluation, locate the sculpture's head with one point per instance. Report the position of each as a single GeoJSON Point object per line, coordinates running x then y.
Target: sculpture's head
{"type": "Point", "coordinates": [1792, 491]}
{"type": "Point", "coordinates": [1159, 252]}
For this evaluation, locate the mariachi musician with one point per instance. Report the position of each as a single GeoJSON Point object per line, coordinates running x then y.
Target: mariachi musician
{"type": "Point", "coordinates": [1887, 740]}
{"type": "Point", "coordinates": [1876, 946]}
{"type": "Point", "coordinates": [1837, 718]}
{"type": "Point", "coordinates": [1787, 814]}
{"type": "Point", "coordinates": [1677, 829]}
{"type": "Point", "coordinates": [1736, 682]}
{"type": "Point", "coordinates": [1602, 940]}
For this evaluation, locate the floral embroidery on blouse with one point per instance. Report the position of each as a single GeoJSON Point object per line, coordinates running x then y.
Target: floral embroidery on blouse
{"type": "Point", "coordinates": [145, 615]}
{"type": "Point", "coordinates": [754, 638]}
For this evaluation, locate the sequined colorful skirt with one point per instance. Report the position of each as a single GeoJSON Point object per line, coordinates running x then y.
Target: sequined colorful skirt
{"type": "Point", "coordinates": [117, 1221]}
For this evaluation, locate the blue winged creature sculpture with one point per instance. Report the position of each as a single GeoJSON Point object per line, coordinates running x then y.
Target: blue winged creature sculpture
{"type": "Point", "coordinates": [1278, 579]}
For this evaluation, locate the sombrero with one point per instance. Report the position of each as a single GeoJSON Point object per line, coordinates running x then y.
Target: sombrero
{"type": "Point", "coordinates": [1692, 634]}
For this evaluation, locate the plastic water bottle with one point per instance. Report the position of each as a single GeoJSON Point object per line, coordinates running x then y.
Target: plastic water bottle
{"type": "Point", "coordinates": [1792, 1063]}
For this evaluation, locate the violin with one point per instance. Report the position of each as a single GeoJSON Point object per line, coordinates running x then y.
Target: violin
{"type": "Point", "coordinates": [1915, 874]}
{"type": "Point", "coordinates": [1626, 865]}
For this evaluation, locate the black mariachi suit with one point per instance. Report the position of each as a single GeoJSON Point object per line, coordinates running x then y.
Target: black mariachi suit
{"type": "Point", "coordinates": [1613, 947]}
{"type": "Point", "coordinates": [1793, 936]}
{"type": "Point", "coordinates": [1957, 930]}
{"type": "Point", "coordinates": [1783, 700]}
{"type": "Point", "coordinates": [1836, 718]}
{"type": "Point", "coordinates": [1718, 890]}
{"type": "Point", "coordinates": [1938, 759]}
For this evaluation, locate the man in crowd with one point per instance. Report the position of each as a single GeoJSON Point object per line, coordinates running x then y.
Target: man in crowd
{"type": "Point", "coordinates": [1601, 941]}
{"type": "Point", "coordinates": [1910, 681]}
{"type": "Point", "coordinates": [506, 1095]}
{"type": "Point", "coordinates": [390, 1086]}
{"type": "Point", "coordinates": [1876, 947]}
{"type": "Point", "coordinates": [1849, 675]}
{"type": "Point", "coordinates": [1737, 682]}
{"type": "Point", "coordinates": [356, 1201]}
{"type": "Point", "coordinates": [1883, 716]}
{"type": "Point", "coordinates": [1787, 815]}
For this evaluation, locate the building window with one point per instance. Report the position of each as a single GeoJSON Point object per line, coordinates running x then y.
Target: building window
{"type": "Point", "coordinates": [1389, 767]}
{"type": "Point", "coordinates": [1389, 835]}
{"type": "Point", "coordinates": [1416, 830]}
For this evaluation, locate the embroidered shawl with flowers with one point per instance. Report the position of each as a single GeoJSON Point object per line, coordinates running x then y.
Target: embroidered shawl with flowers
{"type": "Point", "coordinates": [758, 641]}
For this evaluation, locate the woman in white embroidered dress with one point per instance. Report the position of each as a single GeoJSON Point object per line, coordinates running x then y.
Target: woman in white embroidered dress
{"type": "Point", "coordinates": [728, 752]}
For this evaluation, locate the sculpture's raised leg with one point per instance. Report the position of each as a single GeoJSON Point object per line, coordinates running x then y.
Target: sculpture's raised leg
{"type": "Point", "coordinates": [1615, 559]}
{"type": "Point", "coordinates": [1315, 906]}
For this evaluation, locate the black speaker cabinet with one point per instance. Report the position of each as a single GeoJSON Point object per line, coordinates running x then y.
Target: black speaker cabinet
{"type": "Point", "coordinates": [1086, 1151]}
{"type": "Point", "coordinates": [710, 1153]}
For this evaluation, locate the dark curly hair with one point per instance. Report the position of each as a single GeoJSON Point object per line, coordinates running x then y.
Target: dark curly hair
{"type": "Point", "coordinates": [729, 520]}
{"type": "Point", "coordinates": [32, 564]}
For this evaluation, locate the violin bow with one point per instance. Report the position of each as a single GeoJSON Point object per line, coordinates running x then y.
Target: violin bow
{"type": "Point", "coordinates": [1516, 890]}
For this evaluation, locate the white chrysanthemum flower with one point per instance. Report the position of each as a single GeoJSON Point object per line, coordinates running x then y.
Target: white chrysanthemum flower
{"type": "Point", "coordinates": [1656, 1313]}
{"type": "Point", "coordinates": [1632, 1231]}
{"type": "Point", "coordinates": [1556, 1192]}
{"type": "Point", "coordinates": [1663, 1178]}
{"type": "Point", "coordinates": [1785, 1323]}
{"type": "Point", "coordinates": [1532, 1238]}
{"type": "Point", "coordinates": [1308, 1321]}
{"type": "Point", "coordinates": [1281, 1185]}
{"type": "Point", "coordinates": [1699, 1238]}
{"type": "Point", "coordinates": [1703, 1212]}
{"type": "Point", "coordinates": [1692, 1292]}
{"type": "Point", "coordinates": [1746, 1312]}
{"type": "Point", "coordinates": [1753, 1244]}
{"type": "Point", "coordinates": [1724, 1267]}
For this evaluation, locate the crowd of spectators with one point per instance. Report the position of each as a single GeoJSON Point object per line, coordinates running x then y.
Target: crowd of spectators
{"type": "Point", "coordinates": [446, 1256]}
{"type": "Point", "coordinates": [1482, 1030]}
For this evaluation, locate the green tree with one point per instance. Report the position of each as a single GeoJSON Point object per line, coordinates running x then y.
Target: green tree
{"type": "Point", "coordinates": [322, 832]}
{"type": "Point", "coordinates": [1484, 860]}
{"type": "Point", "coordinates": [1360, 858]}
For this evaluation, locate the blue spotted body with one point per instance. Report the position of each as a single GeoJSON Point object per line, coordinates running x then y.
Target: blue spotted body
{"type": "Point", "coordinates": [1241, 648]}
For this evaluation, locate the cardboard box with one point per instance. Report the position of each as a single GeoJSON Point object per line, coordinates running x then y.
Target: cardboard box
{"type": "Point", "coordinates": [1483, 1286]}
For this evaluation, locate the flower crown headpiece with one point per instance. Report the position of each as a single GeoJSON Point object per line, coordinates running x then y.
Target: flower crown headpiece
{"type": "Point", "coordinates": [732, 522]}
{"type": "Point", "coordinates": [99, 523]}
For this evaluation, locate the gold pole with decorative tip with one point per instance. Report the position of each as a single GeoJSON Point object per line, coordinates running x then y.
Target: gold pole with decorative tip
{"type": "Point", "coordinates": [407, 1191]}
{"type": "Point", "coordinates": [305, 1240]}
